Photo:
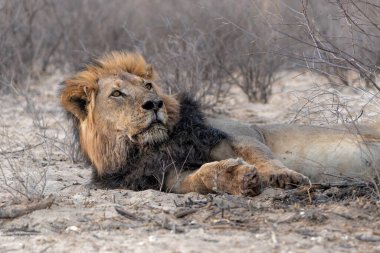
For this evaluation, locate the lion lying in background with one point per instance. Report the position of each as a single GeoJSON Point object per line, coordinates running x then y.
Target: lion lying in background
{"type": "Point", "coordinates": [137, 137]}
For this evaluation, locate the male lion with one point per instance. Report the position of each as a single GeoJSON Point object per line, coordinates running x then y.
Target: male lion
{"type": "Point", "coordinates": [137, 137]}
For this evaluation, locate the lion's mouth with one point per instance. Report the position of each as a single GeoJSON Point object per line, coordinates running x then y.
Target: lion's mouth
{"type": "Point", "coordinates": [156, 123]}
{"type": "Point", "coordinates": [156, 132]}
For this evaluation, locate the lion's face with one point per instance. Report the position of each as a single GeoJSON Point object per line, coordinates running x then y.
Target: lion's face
{"type": "Point", "coordinates": [129, 105]}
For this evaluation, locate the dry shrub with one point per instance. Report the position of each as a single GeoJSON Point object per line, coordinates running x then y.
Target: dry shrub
{"type": "Point", "coordinates": [198, 46]}
{"type": "Point", "coordinates": [27, 153]}
{"type": "Point", "coordinates": [335, 38]}
{"type": "Point", "coordinates": [201, 47]}
{"type": "Point", "coordinates": [23, 173]}
{"type": "Point", "coordinates": [326, 105]}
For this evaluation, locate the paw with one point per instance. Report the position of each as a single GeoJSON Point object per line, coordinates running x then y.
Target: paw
{"type": "Point", "coordinates": [286, 178]}
{"type": "Point", "coordinates": [233, 176]}
{"type": "Point", "coordinates": [250, 184]}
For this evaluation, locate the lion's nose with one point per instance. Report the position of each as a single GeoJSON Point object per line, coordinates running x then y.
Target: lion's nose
{"type": "Point", "coordinates": [153, 105]}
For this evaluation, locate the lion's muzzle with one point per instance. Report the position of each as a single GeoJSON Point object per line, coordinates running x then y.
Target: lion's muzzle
{"type": "Point", "coordinates": [153, 104]}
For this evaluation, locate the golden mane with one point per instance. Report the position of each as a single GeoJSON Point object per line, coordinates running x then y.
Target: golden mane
{"type": "Point", "coordinates": [112, 64]}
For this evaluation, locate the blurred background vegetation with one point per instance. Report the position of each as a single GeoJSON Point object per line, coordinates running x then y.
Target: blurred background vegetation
{"type": "Point", "coordinates": [202, 46]}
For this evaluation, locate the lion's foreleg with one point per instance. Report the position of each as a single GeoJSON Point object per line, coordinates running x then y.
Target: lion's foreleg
{"type": "Point", "coordinates": [271, 170]}
{"type": "Point", "coordinates": [233, 176]}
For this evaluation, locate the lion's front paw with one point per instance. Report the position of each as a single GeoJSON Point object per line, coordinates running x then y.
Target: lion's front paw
{"type": "Point", "coordinates": [233, 176]}
{"type": "Point", "coordinates": [286, 178]}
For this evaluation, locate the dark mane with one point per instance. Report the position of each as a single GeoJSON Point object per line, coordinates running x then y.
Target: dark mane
{"type": "Point", "coordinates": [187, 148]}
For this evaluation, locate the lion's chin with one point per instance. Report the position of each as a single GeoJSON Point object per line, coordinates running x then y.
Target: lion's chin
{"type": "Point", "coordinates": [155, 134]}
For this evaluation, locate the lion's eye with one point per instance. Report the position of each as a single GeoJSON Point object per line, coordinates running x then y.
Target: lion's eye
{"type": "Point", "coordinates": [116, 93]}
{"type": "Point", "coordinates": [148, 86]}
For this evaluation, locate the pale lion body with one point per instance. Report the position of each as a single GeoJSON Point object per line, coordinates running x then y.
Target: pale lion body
{"type": "Point", "coordinates": [324, 154]}
{"type": "Point", "coordinates": [137, 137]}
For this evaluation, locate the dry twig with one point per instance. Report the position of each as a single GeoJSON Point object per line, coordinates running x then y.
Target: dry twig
{"type": "Point", "coordinates": [14, 211]}
{"type": "Point", "coordinates": [127, 214]}
{"type": "Point", "coordinates": [184, 212]}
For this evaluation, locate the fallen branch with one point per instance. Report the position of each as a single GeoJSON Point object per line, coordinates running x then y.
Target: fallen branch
{"type": "Point", "coordinates": [184, 212]}
{"type": "Point", "coordinates": [341, 184]}
{"type": "Point", "coordinates": [324, 186]}
{"type": "Point", "coordinates": [368, 238]}
{"type": "Point", "coordinates": [126, 214]}
{"type": "Point", "coordinates": [14, 211]}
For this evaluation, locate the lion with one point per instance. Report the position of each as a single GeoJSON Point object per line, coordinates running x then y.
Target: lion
{"type": "Point", "coordinates": [135, 136]}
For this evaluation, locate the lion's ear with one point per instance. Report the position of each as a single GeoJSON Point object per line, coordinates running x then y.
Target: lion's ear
{"type": "Point", "coordinates": [149, 74]}
{"type": "Point", "coordinates": [75, 98]}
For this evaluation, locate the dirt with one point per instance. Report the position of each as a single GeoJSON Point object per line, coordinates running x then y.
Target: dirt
{"type": "Point", "coordinates": [34, 142]}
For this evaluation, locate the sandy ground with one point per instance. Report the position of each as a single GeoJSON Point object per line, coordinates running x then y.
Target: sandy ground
{"type": "Point", "coordinates": [34, 143]}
